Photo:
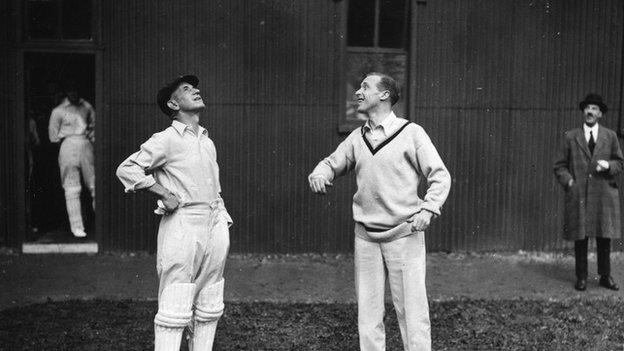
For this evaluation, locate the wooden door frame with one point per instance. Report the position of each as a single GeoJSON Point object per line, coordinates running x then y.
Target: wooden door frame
{"type": "Point", "coordinates": [23, 47]}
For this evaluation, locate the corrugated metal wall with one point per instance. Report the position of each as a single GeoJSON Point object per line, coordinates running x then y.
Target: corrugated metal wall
{"type": "Point", "coordinates": [268, 77]}
{"type": "Point", "coordinates": [497, 84]}
{"type": "Point", "coordinates": [8, 143]}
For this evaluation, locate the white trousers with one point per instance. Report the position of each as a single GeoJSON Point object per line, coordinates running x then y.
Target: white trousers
{"type": "Point", "coordinates": [192, 248]}
{"type": "Point", "coordinates": [403, 262]}
{"type": "Point", "coordinates": [76, 159]}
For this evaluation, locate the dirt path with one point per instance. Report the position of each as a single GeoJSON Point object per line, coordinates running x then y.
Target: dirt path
{"type": "Point", "coordinates": [26, 279]}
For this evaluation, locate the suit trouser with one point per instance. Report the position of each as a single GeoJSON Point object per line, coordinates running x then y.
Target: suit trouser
{"type": "Point", "coordinates": [603, 250]}
{"type": "Point", "coordinates": [404, 262]}
{"type": "Point", "coordinates": [193, 244]}
{"type": "Point", "coordinates": [76, 159]}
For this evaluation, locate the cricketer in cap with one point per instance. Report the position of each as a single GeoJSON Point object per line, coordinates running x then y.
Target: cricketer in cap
{"type": "Point", "coordinates": [179, 165]}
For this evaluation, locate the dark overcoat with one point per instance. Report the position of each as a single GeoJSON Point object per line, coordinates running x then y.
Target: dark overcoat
{"type": "Point", "coordinates": [592, 203]}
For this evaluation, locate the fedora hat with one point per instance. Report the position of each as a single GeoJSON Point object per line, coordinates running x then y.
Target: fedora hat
{"type": "Point", "coordinates": [164, 94]}
{"type": "Point", "coordinates": [593, 99]}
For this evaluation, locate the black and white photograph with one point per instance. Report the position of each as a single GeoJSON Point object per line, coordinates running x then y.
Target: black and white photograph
{"type": "Point", "coordinates": [328, 175]}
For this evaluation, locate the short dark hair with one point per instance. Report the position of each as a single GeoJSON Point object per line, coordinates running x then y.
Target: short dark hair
{"type": "Point", "coordinates": [388, 83]}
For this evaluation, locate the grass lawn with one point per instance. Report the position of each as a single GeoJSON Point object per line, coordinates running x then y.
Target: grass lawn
{"type": "Point", "coordinates": [456, 325]}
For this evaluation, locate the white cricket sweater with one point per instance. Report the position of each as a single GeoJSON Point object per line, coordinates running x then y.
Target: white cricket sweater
{"type": "Point", "coordinates": [387, 179]}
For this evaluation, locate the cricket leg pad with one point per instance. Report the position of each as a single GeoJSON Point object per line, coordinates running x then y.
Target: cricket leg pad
{"type": "Point", "coordinates": [174, 314]}
{"type": "Point", "coordinates": [74, 210]}
{"type": "Point", "coordinates": [208, 309]}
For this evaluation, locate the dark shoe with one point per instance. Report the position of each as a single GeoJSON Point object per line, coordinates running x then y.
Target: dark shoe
{"type": "Point", "coordinates": [581, 284]}
{"type": "Point", "coordinates": [608, 282]}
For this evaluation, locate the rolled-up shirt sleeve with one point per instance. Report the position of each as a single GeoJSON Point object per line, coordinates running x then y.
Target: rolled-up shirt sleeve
{"type": "Point", "coordinates": [91, 123]}
{"type": "Point", "coordinates": [55, 126]}
{"type": "Point", "coordinates": [134, 172]}
{"type": "Point", "coordinates": [91, 118]}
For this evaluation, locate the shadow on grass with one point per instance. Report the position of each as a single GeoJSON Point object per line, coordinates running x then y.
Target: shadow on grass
{"type": "Point", "coordinates": [555, 271]}
{"type": "Point", "coordinates": [456, 325]}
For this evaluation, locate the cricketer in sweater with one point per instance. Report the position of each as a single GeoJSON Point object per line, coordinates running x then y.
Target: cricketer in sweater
{"type": "Point", "coordinates": [391, 157]}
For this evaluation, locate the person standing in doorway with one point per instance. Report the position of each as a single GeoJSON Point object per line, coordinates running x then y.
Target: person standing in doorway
{"type": "Point", "coordinates": [590, 158]}
{"type": "Point", "coordinates": [179, 165]}
{"type": "Point", "coordinates": [391, 157]}
{"type": "Point", "coordinates": [72, 123]}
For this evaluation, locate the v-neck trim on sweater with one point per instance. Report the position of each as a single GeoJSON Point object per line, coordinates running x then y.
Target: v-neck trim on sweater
{"type": "Point", "coordinates": [374, 150]}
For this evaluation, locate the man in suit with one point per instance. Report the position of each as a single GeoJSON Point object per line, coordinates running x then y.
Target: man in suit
{"type": "Point", "coordinates": [589, 160]}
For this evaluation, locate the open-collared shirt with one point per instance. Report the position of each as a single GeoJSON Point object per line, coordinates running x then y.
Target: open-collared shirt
{"type": "Point", "coordinates": [177, 158]}
{"type": "Point", "coordinates": [68, 120]}
{"type": "Point", "coordinates": [387, 127]}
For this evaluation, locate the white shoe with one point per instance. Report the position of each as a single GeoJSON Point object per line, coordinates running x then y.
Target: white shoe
{"type": "Point", "coordinates": [79, 233]}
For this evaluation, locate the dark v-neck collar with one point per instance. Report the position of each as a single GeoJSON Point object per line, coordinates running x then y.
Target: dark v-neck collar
{"type": "Point", "coordinates": [383, 143]}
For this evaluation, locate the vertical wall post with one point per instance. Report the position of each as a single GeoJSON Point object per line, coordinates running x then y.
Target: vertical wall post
{"type": "Point", "coordinates": [412, 58]}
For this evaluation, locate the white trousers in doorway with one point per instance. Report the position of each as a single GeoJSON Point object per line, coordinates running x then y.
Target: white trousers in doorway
{"type": "Point", "coordinates": [76, 159]}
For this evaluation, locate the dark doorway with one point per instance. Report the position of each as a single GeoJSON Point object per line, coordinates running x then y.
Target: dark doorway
{"type": "Point", "coordinates": [47, 75]}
